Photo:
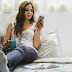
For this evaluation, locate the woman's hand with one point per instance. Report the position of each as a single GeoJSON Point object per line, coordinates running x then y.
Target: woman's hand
{"type": "Point", "coordinates": [6, 44]}
{"type": "Point", "coordinates": [40, 24]}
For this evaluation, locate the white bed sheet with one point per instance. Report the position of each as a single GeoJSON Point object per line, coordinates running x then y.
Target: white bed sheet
{"type": "Point", "coordinates": [36, 66]}
{"type": "Point", "coordinates": [45, 67]}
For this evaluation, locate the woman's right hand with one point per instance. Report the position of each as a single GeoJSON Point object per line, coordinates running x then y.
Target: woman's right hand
{"type": "Point", "coordinates": [6, 45]}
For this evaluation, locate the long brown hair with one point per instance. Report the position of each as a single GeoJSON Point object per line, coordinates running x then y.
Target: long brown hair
{"type": "Point", "coordinates": [20, 18]}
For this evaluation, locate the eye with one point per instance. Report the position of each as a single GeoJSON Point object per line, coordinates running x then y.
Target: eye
{"type": "Point", "coordinates": [26, 10]}
{"type": "Point", "coordinates": [31, 10]}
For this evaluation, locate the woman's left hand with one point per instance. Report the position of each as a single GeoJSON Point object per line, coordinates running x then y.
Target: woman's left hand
{"type": "Point", "coordinates": [40, 24]}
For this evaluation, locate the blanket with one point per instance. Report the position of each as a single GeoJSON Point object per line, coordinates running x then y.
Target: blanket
{"type": "Point", "coordinates": [47, 65]}
{"type": "Point", "coordinates": [54, 60]}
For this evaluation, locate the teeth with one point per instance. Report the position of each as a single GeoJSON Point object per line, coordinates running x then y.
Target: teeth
{"type": "Point", "coordinates": [28, 15]}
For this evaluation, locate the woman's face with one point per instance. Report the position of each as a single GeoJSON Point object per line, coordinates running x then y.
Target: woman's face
{"type": "Point", "coordinates": [28, 11]}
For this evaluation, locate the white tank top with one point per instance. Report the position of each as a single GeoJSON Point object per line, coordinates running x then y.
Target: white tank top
{"type": "Point", "coordinates": [27, 37]}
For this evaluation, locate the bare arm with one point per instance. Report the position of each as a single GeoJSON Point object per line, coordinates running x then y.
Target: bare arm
{"type": "Point", "coordinates": [36, 40]}
{"type": "Point", "coordinates": [7, 36]}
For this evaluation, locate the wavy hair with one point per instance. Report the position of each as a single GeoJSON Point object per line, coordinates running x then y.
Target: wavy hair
{"type": "Point", "coordinates": [20, 18]}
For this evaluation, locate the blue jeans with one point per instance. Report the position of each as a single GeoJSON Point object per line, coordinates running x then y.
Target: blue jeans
{"type": "Point", "coordinates": [23, 54]}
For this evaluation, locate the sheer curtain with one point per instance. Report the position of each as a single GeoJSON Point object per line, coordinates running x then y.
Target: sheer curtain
{"type": "Point", "coordinates": [10, 5]}
{"type": "Point", "coordinates": [40, 5]}
{"type": "Point", "coordinates": [53, 5]}
{"type": "Point", "coordinates": [7, 5]}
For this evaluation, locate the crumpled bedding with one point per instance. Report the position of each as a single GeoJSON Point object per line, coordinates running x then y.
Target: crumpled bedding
{"type": "Point", "coordinates": [55, 60]}
{"type": "Point", "coordinates": [40, 65]}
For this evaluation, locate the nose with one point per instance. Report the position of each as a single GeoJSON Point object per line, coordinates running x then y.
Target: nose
{"type": "Point", "coordinates": [29, 11]}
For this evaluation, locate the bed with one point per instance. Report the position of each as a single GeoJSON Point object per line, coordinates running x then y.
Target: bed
{"type": "Point", "coordinates": [47, 65]}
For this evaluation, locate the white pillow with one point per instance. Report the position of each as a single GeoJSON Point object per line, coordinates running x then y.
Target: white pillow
{"type": "Point", "coordinates": [49, 45]}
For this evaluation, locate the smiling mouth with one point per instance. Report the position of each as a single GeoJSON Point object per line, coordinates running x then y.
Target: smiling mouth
{"type": "Point", "coordinates": [28, 15]}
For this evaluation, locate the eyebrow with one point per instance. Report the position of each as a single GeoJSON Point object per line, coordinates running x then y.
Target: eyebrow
{"type": "Point", "coordinates": [26, 8]}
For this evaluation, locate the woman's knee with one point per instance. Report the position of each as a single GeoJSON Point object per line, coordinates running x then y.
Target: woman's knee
{"type": "Point", "coordinates": [30, 57]}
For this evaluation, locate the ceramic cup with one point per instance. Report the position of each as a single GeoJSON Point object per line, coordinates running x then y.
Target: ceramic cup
{"type": "Point", "coordinates": [12, 44]}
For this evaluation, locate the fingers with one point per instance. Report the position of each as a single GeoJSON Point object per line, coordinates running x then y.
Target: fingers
{"type": "Point", "coordinates": [40, 23]}
{"type": "Point", "coordinates": [6, 44]}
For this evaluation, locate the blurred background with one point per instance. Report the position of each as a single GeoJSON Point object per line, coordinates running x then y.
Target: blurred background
{"type": "Point", "coordinates": [57, 13]}
{"type": "Point", "coordinates": [40, 5]}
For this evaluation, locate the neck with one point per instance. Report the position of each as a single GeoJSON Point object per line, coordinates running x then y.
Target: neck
{"type": "Point", "coordinates": [27, 22]}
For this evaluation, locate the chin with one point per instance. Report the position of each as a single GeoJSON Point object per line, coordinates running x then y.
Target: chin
{"type": "Point", "coordinates": [29, 18]}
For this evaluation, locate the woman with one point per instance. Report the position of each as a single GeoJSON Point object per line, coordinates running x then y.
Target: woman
{"type": "Point", "coordinates": [27, 35]}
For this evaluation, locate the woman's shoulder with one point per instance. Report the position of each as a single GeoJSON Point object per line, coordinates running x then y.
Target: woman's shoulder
{"type": "Point", "coordinates": [14, 23]}
{"type": "Point", "coordinates": [10, 25]}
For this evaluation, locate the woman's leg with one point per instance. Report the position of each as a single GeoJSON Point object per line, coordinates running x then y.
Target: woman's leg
{"type": "Point", "coordinates": [21, 53]}
{"type": "Point", "coordinates": [3, 62]}
{"type": "Point", "coordinates": [30, 56]}
{"type": "Point", "coordinates": [15, 56]}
